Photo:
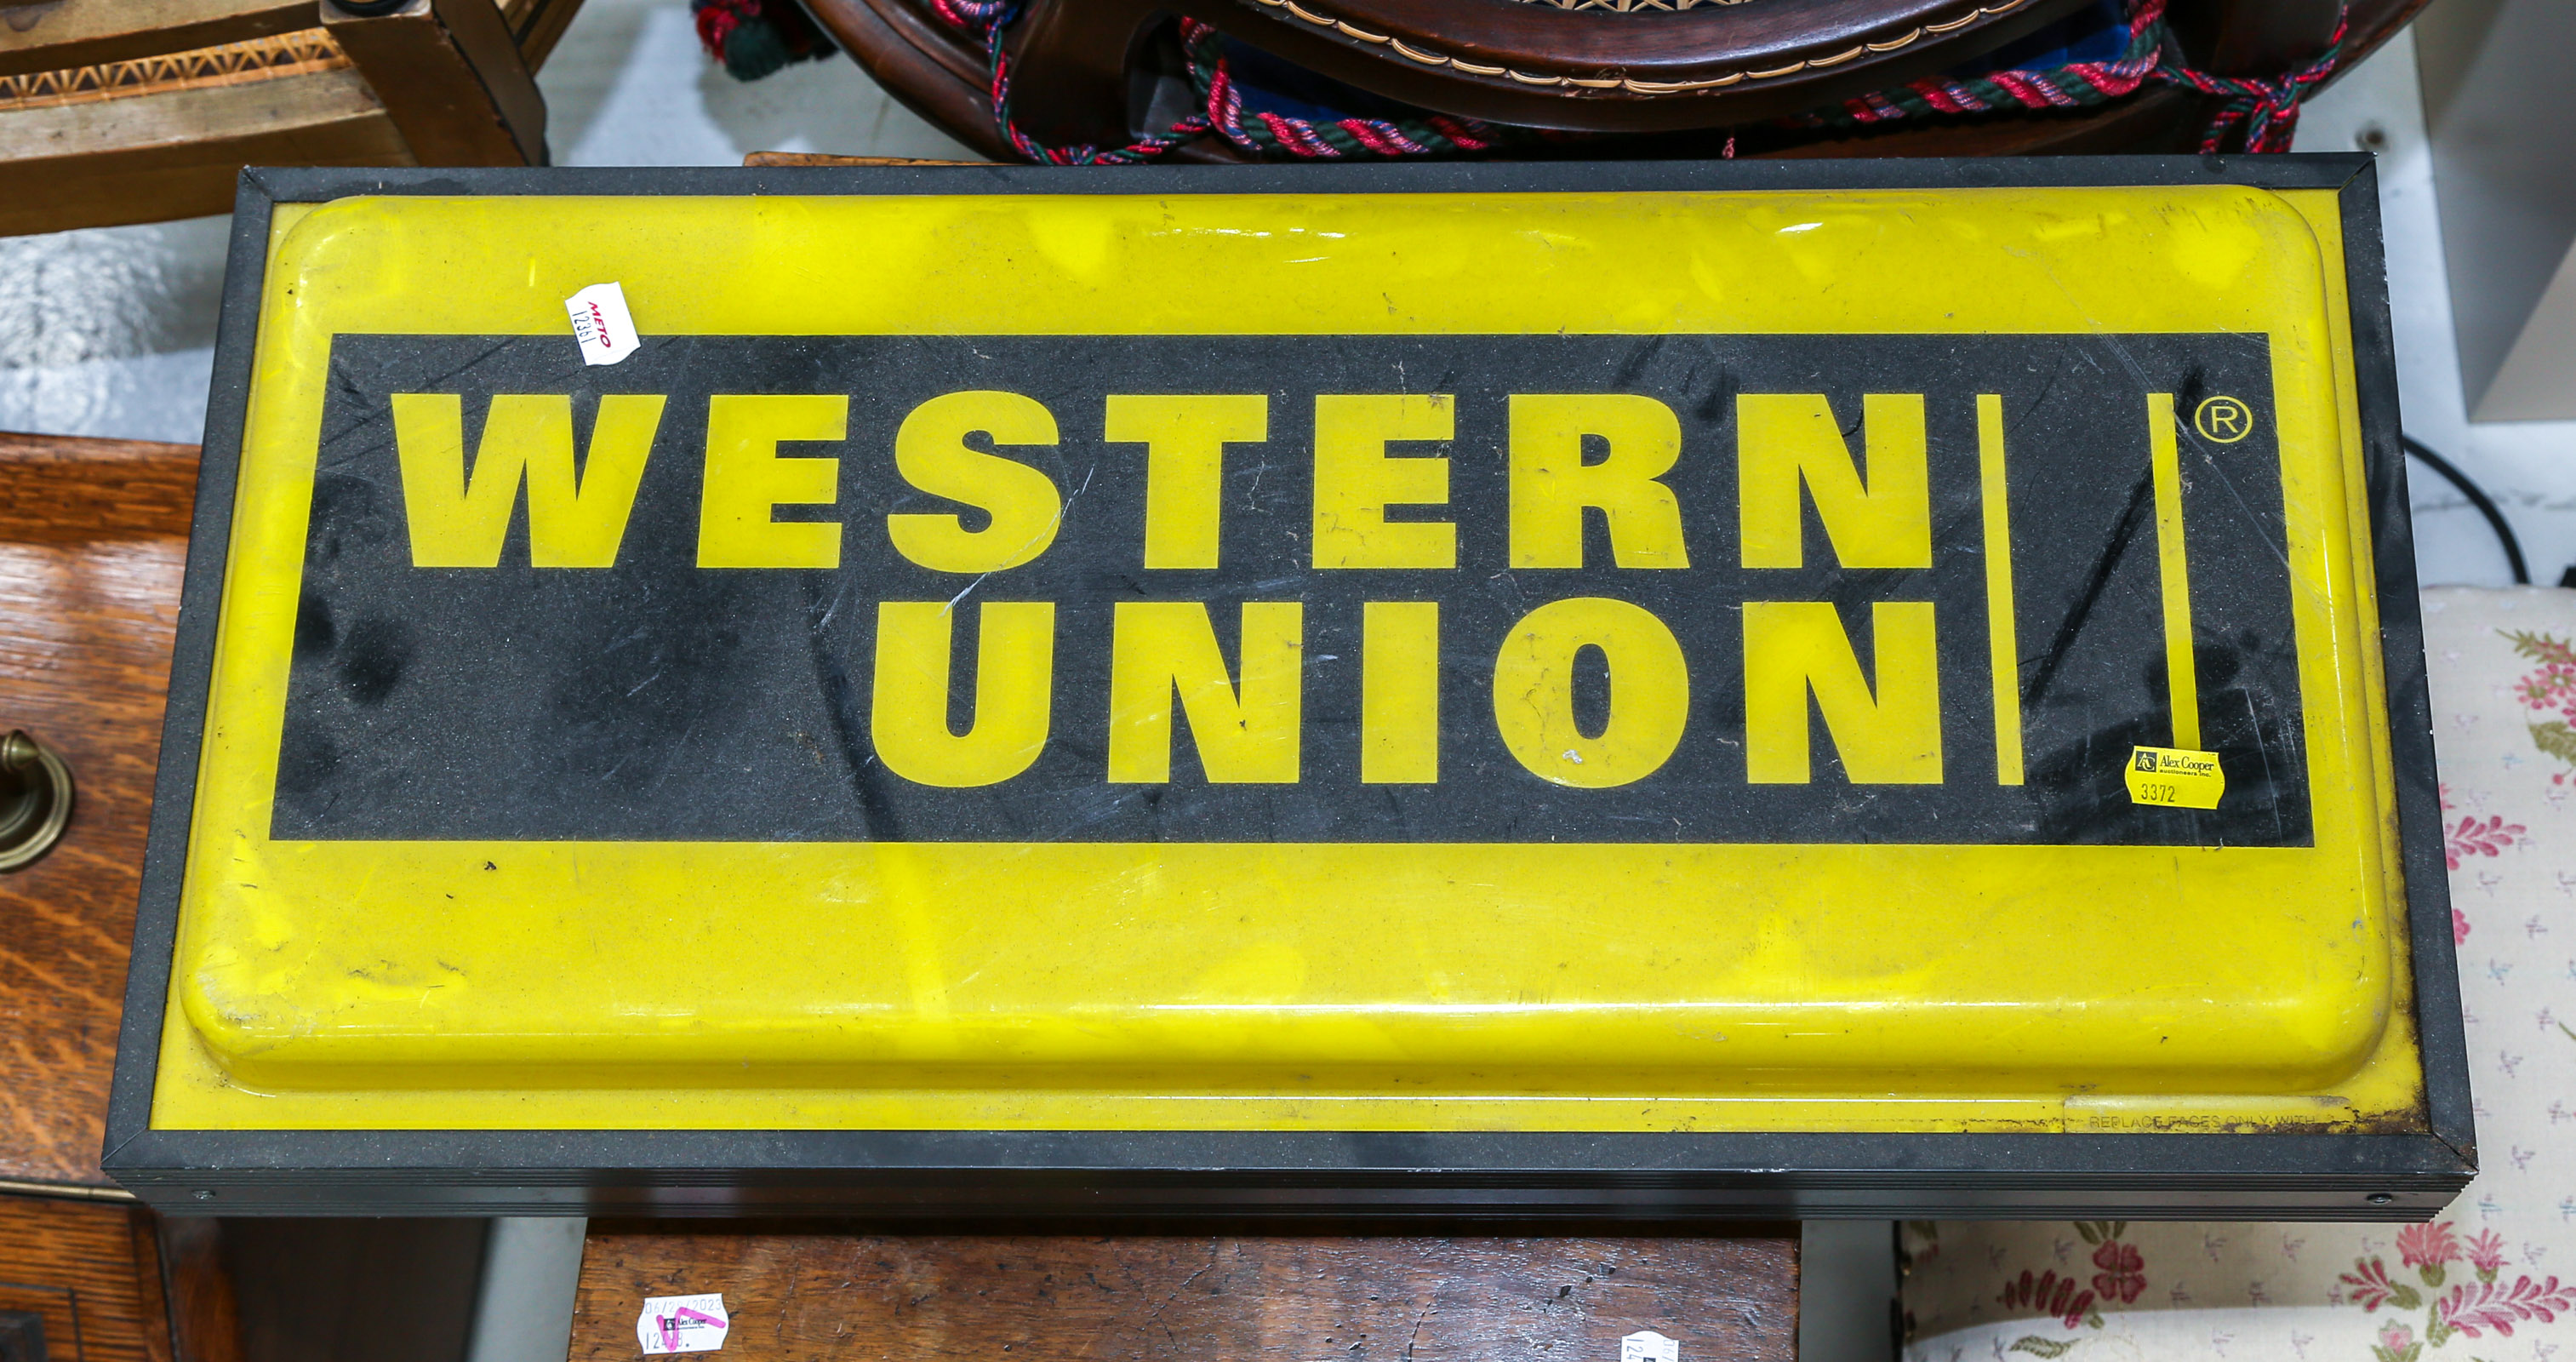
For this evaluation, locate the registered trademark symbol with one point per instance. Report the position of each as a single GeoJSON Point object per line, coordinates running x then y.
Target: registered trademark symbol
{"type": "Point", "coordinates": [2223, 419]}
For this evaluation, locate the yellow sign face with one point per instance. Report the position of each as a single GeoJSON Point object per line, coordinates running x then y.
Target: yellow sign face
{"type": "Point", "coordinates": [1643, 662]}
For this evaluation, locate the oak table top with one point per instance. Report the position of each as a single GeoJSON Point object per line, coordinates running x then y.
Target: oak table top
{"type": "Point", "coordinates": [93, 538]}
{"type": "Point", "coordinates": [795, 1293]}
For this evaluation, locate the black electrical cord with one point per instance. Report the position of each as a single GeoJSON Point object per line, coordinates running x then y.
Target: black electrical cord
{"type": "Point", "coordinates": [2478, 498]}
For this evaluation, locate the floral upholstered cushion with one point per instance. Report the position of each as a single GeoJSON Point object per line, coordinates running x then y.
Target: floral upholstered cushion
{"type": "Point", "coordinates": [2495, 1276]}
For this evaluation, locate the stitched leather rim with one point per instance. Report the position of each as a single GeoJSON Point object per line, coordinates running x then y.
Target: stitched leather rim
{"type": "Point", "coordinates": [1616, 80]}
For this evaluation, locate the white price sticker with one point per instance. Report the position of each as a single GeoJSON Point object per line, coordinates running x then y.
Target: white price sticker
{"type": "Point", "coordinates": [1646, 1345]}
{"type": "Point", "coordinates": [601, 323]}
{"type": "Point", "coordinates": [683, 1324]}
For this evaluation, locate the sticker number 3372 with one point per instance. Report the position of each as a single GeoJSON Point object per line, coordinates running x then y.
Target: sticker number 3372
{"type": "Point", "coordinates": [683, 1324]}
{"type": "Point", "coordinates": [2175, 778]}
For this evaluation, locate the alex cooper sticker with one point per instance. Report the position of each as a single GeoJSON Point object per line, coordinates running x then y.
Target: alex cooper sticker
{"type": "Point", "coordinates": [1326, 588]}
{"type": "Point", "coordinates": [2176, 779]}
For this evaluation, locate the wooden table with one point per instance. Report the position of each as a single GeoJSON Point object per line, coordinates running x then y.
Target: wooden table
{"type": "Point", "coordinates": [93, 538]}
{"type": "Point", "coordinates": [93, 542]}
{"type": "Point", "coordinates": [93, 534]}
{"type": "Point", "coordinates": [807, 1293]}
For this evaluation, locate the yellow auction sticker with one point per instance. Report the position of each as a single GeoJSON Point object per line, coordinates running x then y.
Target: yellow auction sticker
{"type": "Point", "coordinates": [2176, 778]}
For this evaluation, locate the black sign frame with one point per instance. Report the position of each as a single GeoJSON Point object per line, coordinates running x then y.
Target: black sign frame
{"type": "Point", "coordinates": [917, 1176]}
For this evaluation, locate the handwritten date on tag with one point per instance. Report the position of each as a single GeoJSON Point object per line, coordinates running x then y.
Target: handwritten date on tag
{"type": "Point", "coordinates": [683, 1324]}
{"type": "Point", "coordinates": [2175, 778]}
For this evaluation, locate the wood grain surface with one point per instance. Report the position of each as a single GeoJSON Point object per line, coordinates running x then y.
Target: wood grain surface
{"type": "Point", "coordinates": [177, 153]}
{"type": "Point", "coordinates": [42, 36]}
{"type": "Point", "coordinates": [804, 1296]}
{"type": "Point", "coordinates": [197, 1287]}
{"type": "Point", "coordinates": [92, 536]}
{"type": "Point", "coordinates": [450, 74]}
{"type": "Point", "coordinates": [91, 1272]}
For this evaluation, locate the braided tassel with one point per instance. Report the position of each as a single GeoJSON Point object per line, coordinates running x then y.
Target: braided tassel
{"type": "Point", "coordinates": [2269, 109]}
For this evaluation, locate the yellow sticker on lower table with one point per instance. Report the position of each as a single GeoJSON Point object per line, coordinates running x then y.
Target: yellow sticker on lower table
{"type": "Point", "coordinates": [2175, 778]}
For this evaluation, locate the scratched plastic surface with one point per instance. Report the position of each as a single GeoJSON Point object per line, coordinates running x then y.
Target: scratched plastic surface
{"type": "Point", "coordinates": [1813, 948]}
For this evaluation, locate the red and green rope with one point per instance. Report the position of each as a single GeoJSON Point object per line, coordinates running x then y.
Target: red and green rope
{"type": "Point", "coordinates": [2072, 86]}
{"type": "Point", "coordinates": [1317, 139]}
{"type": "Point", "coordinates": [2267, 109]}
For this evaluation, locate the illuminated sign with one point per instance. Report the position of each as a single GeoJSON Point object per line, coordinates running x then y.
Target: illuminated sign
{"type": "Point", "coordinates": [1675, 690]}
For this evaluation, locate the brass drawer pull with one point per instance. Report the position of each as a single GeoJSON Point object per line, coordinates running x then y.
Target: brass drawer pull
{"type": "Point", "coordinates": [35, 800]}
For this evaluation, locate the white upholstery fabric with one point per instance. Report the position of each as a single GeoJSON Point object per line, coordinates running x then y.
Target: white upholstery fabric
{"type": "Point", "coordinates": [2489, 1279]}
